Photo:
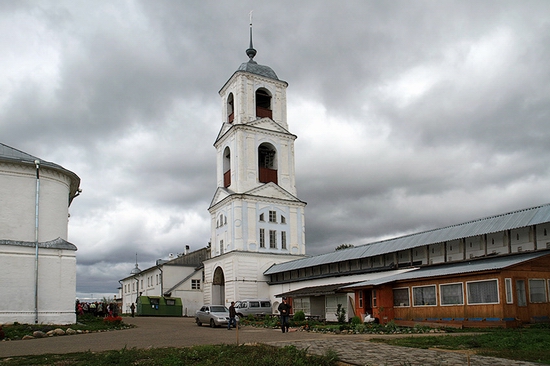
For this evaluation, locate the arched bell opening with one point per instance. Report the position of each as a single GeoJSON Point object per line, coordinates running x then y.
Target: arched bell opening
{"type": "Point", "coordinates": [226, 167]}
{"type": "Point", "coordinates": [267, 163]}
{"type": "Point", "coordinates": [263, 103]}
{"type": "Point", "coordinates": [230, 108]}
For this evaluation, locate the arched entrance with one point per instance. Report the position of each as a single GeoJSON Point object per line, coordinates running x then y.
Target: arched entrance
{"type": "Point", "coordinates": [218, 287]}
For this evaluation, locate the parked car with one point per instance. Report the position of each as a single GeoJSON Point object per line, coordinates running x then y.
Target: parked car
{"type": "Point", "coordinates": [214, 315]}
{"type": "Point", "coordinates": [253, 306]}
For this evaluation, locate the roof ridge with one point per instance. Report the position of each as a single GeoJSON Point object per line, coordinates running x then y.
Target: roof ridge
{"type": "Point", "coordinates": [455, 225]}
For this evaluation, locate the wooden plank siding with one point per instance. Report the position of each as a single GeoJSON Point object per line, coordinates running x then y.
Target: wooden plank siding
{"type": "Point", "coordinates": [502, 311]}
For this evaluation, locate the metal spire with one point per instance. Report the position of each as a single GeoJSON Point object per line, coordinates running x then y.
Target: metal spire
{"type": "Point", "coordinates": [251, 52]}
{"type": "Point", "coordinates": [136, 270]}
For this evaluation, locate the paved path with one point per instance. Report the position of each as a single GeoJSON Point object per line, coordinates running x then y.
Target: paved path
{"type": "Point", "coordinates": [183, 332]}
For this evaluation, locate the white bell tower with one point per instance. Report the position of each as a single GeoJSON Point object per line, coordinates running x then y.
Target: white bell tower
{"type": "Point", "coordinates": [256, 218]}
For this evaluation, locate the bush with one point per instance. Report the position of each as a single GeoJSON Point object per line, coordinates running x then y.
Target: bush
{"type": "Point", "coordinates": [356, 320]}
{"type": "Point", "coordinates": [299, 316]}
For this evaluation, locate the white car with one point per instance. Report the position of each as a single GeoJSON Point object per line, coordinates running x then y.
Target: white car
{"type": "Point", "coordinates": [214, 315]}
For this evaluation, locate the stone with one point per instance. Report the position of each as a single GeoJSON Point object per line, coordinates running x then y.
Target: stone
{"type": "Point", "coordinates": [27, 337]}
{"type": "Point", "coordinates": [70, 331]}
{"type": "Point", "coordinates": [57, 331]}
{"type": "Point", "coordinates": [38, 334]}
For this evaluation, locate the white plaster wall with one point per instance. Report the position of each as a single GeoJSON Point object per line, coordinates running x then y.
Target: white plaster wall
{"type": "Point", "coordinates": [57, 285]}
{"type": "Point", "coordinates": [56, 267]}
{"type": "Point", "coordinates": [522, 239]}
{"type": "Point", "coordinates": [243, 274]}
{"type": "Point", "coordinates": [18, 197]}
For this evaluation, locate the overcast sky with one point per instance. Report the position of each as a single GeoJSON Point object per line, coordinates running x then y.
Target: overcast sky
{"type": "Point", "coordinates": [410, 115]}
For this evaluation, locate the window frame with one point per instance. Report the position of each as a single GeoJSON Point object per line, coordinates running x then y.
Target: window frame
{"type": "Point", "coordinates": [509, 290]}
{"type": "Point", "coordinates": [424, 286]}
{"type": "Point", "coordinates": [272, 239]}
{"type": "Point", "coordinates": [195, 284]}
{"type": "Point", "coordinates": [442, 303]}
{"type": "Point", "coordinates": [406, 305]}
{"type": "Point", "coordinates": [272, 216]}
{"type": "Point", "coordinates": [469, 300]}
{"type": "Point", "coordinates": [543, 287]}
{"type": "Point", "coordinates": [262, 238]}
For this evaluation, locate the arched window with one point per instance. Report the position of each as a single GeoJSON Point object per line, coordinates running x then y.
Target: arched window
{"type": "Point", "coordinates": [226, 167]}
{"type": "Point", "coordinates": [267, 163]}
{"type": "Point", "coordinates": [263, 103]}
{"type": "Point", "coordinates": [230, 108]}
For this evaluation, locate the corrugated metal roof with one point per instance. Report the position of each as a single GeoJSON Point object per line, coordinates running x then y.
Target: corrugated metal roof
{"type": "Point", "coordinates": [339, 283]}
{"type": "Point", "coordinates": [512, 220]}
{"type": "Point", "coordinates": [313, 291]}
{"type": "Point", "coordinates": [479, 265]}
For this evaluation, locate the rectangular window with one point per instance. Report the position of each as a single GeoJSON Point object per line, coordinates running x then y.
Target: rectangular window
{"type": "Point", "coordinates": [262, 238]}
{"type": "Point", "coordinates": [195, 284]}
{"type": "Point", "coordinates": [537, 290]}
{"type": "Point", "coordinates": [483, 292]}
{"type": "Point", "coordinates": [272, 216]}
{"type": "Point", "coordinates": [273, 239]}
{"type": "Point", "coordinates": [221, 246]}
{"type": "Point", "coordinates": [508, 285]}
{"type": "Point", "coordinates": [301, 304]}
{"type": "Point", "coordinates": [283, 239]}
{"type": "Point", "coordinates": [401, 297]}
{"type": "Point", "coordinates": [361, 299]}
{"type": "Point", "coordinates": [170, 302]}
{"type": "Point", "coordinates": [451, 294]}
{"type": "Point", "coordinates": [424, 296]}
{"type": "Point", "coordinates": [374, 302]}
{"type": "Point", "coordinates": [262, 217]}
{"type": "Point", "coordinates": [520, 293]}
{"type": "Point", "coordinates": [283, 220]}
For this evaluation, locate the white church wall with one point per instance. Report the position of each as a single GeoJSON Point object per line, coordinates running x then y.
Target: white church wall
{"type": "Point", "coordinates": [18, 192]}
{"type": "Point", "coordinates": [56, 266]}
{"type": "Point", "coordinates": [56, 291]}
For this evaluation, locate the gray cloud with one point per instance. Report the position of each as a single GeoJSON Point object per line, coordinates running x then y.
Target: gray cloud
{"type": "Point", "coordinates": [409, 115]}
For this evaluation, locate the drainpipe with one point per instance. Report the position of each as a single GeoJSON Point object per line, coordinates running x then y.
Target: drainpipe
{"type": "Point", "coordinates": [161, 289]}
{"type": "Point", "coordinates": [37, 164]}
{"type": "Point", "coordinates": [122, 305]}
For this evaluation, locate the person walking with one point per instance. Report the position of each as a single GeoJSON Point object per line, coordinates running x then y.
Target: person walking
{"type": "Point", "coordinates": [284, 310]}
{"type": "Point", "coordinates": [133, 309]}
{"type": "Point", "coordinates": [232, 316]}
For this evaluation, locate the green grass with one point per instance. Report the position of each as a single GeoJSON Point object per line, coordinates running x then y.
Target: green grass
{"type": "Point", "coordinates": [200, 355]}
{"type": "Point", "coordinates": [523, 344]}
{"type": "Point", "coordinates": [85, 323]}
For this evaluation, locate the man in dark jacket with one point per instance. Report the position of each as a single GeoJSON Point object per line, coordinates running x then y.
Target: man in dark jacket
{"type": "Point", "coordinates": [284, 310]}
{"type": "Point", "coordinates": [232, 316]}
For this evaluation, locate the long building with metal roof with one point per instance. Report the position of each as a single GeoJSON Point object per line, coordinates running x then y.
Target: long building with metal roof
{"type": "Point", "coordinates": [520, 219]}
{"type": "Point", "coordinates": [494, 267]}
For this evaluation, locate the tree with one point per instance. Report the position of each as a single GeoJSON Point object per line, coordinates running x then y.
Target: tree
{"type": "Point", "coordinates": [344, 246]}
